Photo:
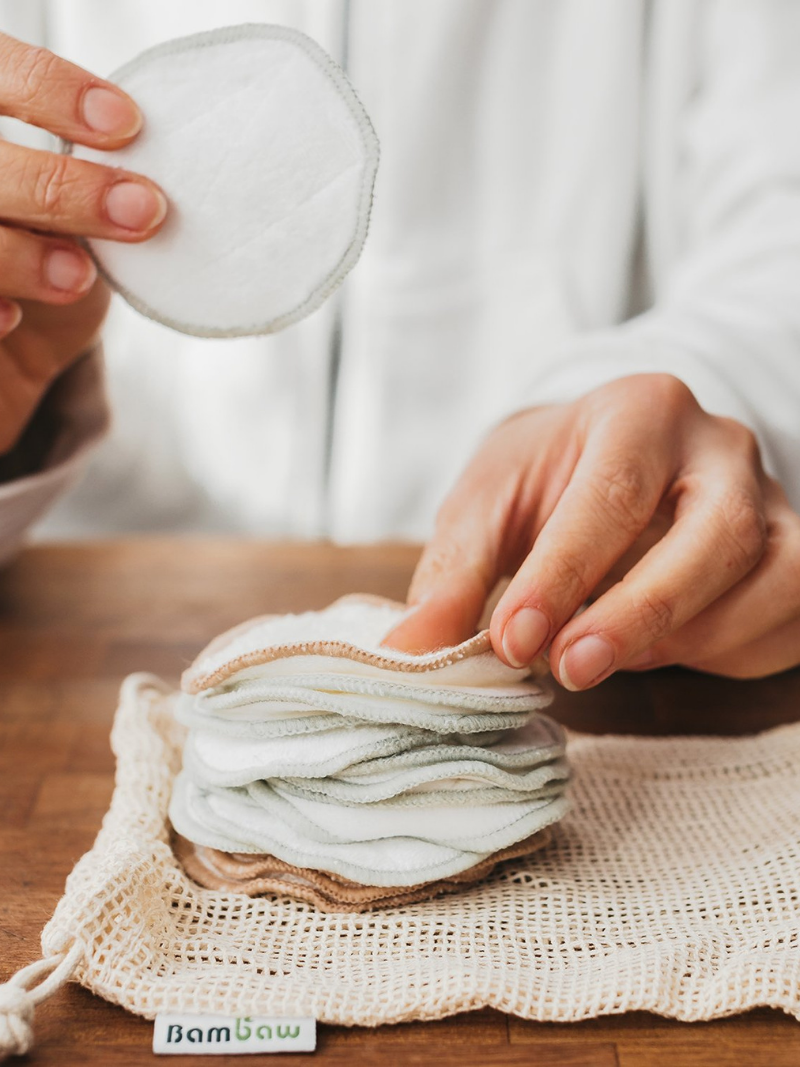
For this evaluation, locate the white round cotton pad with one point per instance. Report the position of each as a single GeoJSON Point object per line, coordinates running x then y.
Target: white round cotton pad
{"type": "Point", "coordinates": [267, 158]}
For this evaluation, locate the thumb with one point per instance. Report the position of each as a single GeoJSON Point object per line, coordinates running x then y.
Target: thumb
{"type": "Point", "coordinates": [454, 577]}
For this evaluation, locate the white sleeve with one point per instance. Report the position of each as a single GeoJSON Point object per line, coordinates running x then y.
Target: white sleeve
{"type": "Point", "coordinates": [75, 414]}
{"type": "Point", "coordinates": [726, 314]}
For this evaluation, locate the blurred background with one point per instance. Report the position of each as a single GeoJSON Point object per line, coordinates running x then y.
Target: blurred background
{"type": "Point", "coordinates": [548, 172]}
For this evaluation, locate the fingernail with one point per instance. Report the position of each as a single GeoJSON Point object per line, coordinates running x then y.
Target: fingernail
{"type": "Point", "coordinates": [525, 633]}
{"type": "Point", "coordinates": [135, 206]}
{"type": "Point", "coordinates": [105, 111]}
{"type": "Point", "coordinates": [10, 316]}
{"type": "Point", "coordinates": [584, 661]}
{"type": "Point", "coordinates": [69, 271]}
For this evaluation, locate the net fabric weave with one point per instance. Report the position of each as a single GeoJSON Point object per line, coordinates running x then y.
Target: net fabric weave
{"type": "Point", "coordinates": [671, 886]}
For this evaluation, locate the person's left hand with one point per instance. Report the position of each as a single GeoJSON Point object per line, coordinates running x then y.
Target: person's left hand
{"type": "Point", "coordinates": [632, 498]}
{"type": "Point", "coordinates": [52, 303]}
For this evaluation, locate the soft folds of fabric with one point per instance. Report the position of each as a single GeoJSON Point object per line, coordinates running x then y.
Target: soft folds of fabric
{"type": "Point", "coordinates": [258, 874]}
{"type": "Point", "coordinates": [233, 712]}
{"type": "Point", "coordinates": [443, 783]}
{"type": "Point", "coordinates": [267, 158]}
{"type": "Point", "coordinates": [312, 743]}
{"type": "Point", "coordinates": [384, 845]}
{"type": "Point", "coordinates": [375, 833]}
{"type": "Point", "coordinates": [369, 753]}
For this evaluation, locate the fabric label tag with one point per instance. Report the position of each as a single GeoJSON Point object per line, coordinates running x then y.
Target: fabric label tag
{"type": "Point", "coordinates": [229, 1035]}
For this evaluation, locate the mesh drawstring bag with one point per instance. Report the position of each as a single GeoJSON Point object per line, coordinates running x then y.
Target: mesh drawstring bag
{"type": "Point", "coordinates": [671, 886]}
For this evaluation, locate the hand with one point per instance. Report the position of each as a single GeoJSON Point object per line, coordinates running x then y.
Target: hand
{"type": "Point", "coordinates": [632, 497]}
{"type": "Point", "coordinates": [51, 302]}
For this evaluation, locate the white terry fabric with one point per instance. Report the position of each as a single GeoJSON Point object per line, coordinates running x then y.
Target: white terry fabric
{"type": "Point", "coordinates": [264, 685]}
{"type": "Point", "coordinates": [381, 845]}
{"type": "Point", "coordinates": [310, 741]}
{"type": "Point", "coordinates": [362, 751]}
{"type": "Point", "coordinates": [670, 887]}
{"type": "Point", "coordinates": [428, 784]}
{"type": "Point", "coordinates": [268, 160]}
{"type": "Point", "coordinates": [221, 760]}
{"type": "Point", "coordinates": [275, 717]}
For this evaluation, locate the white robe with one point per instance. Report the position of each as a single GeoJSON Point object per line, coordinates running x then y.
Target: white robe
{"type": "Point", "coordinates": [570, 191]}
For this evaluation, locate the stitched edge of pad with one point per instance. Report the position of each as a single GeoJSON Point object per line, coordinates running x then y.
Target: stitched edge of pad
{"type": "Point", "coordinates": [341, 84]}
{"type": "Point", "coordinates": [326, 892]}
{"type": "Point", "coordinates": [193, 682]}
{"type": "Point", "coordinates": [339, 650]}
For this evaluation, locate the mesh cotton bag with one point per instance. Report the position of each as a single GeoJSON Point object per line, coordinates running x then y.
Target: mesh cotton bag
{"type": "Point", "coordinates": [671, 886]}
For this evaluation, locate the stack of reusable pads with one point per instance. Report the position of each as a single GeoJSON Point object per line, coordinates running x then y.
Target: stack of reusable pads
{"type": "Point", "coordinates": [320, 765]}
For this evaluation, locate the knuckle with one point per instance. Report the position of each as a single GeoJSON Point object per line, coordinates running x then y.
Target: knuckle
{"type": "Point", "coordinates": [743, 440]}
{"type": "Point", "coordinates": [783, 549]}
{"type": "Point", "coordinates": [31, 66]}
{"type": "Point", "coordinates": [569, 573]}
{"type": "Point", "coordinates": [744, 528]}
{"type": "Point", "coordinates": [666, 395]}
{"type": "Point", "coordinates": [671, 395]}
{"type": "Point", "coordinates": [51, 184]}
{"type": "Point", "coordinates": [775, 500]}
{"type": "Point", "coordinates": [622, 493]}
{"type": "Point", "coordinates": [655, 613]}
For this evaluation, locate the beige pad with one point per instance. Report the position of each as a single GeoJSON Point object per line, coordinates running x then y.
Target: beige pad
{"type": "Point", "coordinates": [261, 875]}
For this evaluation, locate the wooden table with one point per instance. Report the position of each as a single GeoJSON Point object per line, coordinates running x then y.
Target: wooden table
{"type": "Point", "coordinates": [75, 619]}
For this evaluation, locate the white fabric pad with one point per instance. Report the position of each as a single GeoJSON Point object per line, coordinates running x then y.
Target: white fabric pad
{"type": "Point", "coordinates": [456, 782]}
{"type": "Point", "coordinates": [268, 160]}
{"type": "Point", "coordinates": [296, 702]}
{"type": "Point", "coordinates": [220, 760]}
{"type": "Point", "coordinates": [306, 720]}
{"type": "Point", "coordinates": [294, 724]}
{"type": "Point", "coordinates": [383, 845]}
{"type": "Point", "coordinates": [346, 638]}
{"type": "Point", "coordinates": [365, 752]}
{"type": "Point", "coordinates": [329, 689]}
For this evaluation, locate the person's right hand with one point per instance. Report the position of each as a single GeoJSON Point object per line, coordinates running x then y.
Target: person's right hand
{"type": "Point", "coordinates": [51, 301]}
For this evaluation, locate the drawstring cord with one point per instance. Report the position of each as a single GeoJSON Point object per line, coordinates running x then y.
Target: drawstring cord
{"type": "Point", "coordinates": [20, 995]}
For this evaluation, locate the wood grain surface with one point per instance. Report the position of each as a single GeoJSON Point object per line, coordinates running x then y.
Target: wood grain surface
{"type": "Point", "coordinates": [75, 619]}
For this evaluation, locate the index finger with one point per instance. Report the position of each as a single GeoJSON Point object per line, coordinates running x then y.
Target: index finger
{"type": "Point", "coordinates": [609, 501]}
{"type": "Point", "coordinates": [44, 90]}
